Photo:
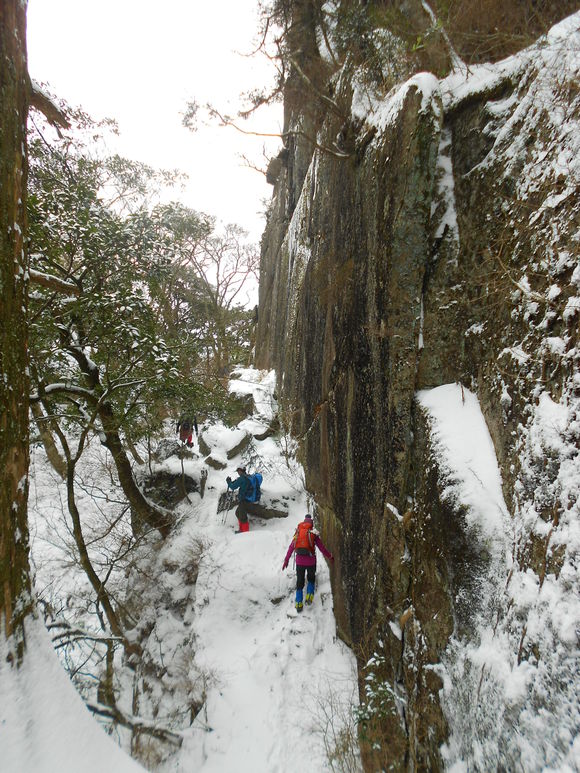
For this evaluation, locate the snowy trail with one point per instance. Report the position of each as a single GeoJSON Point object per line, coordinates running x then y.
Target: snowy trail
{"type": "Point", "coordinates": [468, 466]}
{"type": "Point", "coordinates": [267, 667]}
{"type": "Point", "coordinates": [271, 674]}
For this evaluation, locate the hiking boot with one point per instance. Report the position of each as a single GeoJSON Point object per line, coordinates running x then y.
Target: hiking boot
{"type": "Point", "coordinates": [299, 606]}
{"type": "Point", "coordinates": [309, 598]}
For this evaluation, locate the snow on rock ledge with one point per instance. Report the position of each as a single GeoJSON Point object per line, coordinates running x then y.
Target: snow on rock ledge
{"type": "Point", "coordinates": [466, 458]}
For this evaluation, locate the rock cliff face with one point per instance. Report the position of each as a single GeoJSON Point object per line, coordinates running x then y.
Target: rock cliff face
{"type": "Point", "coordinates": [432, 238]}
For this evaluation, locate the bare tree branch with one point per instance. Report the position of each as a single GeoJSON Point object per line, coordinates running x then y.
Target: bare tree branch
{"type": "Point", "coordinates": [135, 723]}
{"type": "Point", "coordinates": [330, 103]}
{"type": "Point", "coordinates": [227, 121]}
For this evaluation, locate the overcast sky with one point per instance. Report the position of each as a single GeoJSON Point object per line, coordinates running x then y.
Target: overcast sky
{"type": "Point", "coordinates": [140, 61]}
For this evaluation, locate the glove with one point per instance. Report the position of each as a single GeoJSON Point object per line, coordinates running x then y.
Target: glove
{"type": "Point", "coordinates": [228, 479]}
{"type": "Point", "coordinates": [284, 565]}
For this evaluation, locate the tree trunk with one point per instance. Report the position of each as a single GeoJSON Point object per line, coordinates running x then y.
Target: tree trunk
{"type": "Point", "coordinates": [15, 597]}
{"type": "Point", "coordinates": [85, 561]}
{"type": "Point", "coordinates": [144, 512]}
{"type": "Point", "coordinates": [133, 451]}
{"type": "Point", "coordinates": [52, 454]}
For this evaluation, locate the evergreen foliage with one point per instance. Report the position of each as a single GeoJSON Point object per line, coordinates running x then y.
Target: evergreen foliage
{"type": "Point", "coordinates": [121, 308]}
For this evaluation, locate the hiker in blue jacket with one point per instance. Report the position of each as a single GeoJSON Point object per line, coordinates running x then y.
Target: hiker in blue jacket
{"type": "Point", "coordinates": [245, 487]}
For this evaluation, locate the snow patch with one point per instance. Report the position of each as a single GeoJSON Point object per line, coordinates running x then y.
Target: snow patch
{"type": "Point", "coordinates": [382, 112]}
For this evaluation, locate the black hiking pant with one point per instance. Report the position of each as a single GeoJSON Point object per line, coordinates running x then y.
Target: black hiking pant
{"type": "Point", "coordinates": [301, 571]}
{"type": "Point", "coordinates": [242, 511]}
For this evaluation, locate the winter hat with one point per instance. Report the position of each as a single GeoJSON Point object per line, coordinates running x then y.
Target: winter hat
{"type": "Point", "coordinates": [241, 469]}
{"type": "Point", "coordinates": [307, 517]}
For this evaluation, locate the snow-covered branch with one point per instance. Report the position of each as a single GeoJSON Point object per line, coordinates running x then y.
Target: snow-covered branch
{"type": "Point", "coordinates": [71, 634]}
{"type": "Point", "coordinates": [53, 282]}
{"type": "Point", "coordinates": [330, 103]}
{"type": "Point", "coordinates": [62, 387]}
{"type": "Point", "coordinates": [40, 100]}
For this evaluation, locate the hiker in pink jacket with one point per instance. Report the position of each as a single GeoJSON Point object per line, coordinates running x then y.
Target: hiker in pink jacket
{"type": "Point", "coordinates": [304, 543]}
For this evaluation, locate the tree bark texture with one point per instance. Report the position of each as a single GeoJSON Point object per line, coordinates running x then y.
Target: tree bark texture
{"type": "Point", "coordinates": [15, 596]}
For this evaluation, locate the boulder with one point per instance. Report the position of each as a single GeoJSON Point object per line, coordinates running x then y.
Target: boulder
{"type": "Point", "coordinates": [243, 440]}
{"type": "Point", "coordinates": [168, 489]}
{"type": "Point", "coordinates": [273, 171]}
{"type": "Point", "coordinates": [267, 509]}
{"type": "Point", "coordinates": [239, 447]}
{"type": "Point", "coordinates": [203, 446]}
{"type": "Point", "coordinates": [270, 431]}
{"type": "Point", "coordinates": [241, 406]}
{"type": "Point", "coordinates": [169, 447]}
{"type": "Point", "coordinates": [215, 464]}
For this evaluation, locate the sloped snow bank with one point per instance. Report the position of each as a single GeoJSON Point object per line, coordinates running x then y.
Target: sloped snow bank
{"type": "Point", "coordinates": [476, 668]}
{"type": "Point", "coordinates": [44, 724]}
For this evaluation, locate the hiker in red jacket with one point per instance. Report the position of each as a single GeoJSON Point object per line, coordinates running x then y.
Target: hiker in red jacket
{"type": "Point", "coordinates": [304, 543]}
{"type": "Point", "coordinates": [184, 428]}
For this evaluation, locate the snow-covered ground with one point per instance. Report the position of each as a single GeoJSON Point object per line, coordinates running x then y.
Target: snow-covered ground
{"type": "Point", "coordinates": [277, 689]}
{"type": "Point", "coordinates": [271, 673]}
{"type": "Point", "coordinates": [219, 610]}
{"type": "Point", "coordinates": [271, 676]}
{"type": "Point", "coordinates": [266, 677]}
{"type": "Point", "coordinates": [44, 725]}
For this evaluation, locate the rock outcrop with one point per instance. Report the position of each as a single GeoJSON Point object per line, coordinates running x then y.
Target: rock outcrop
{"type": "Point", "coordinates": [439, 246]}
